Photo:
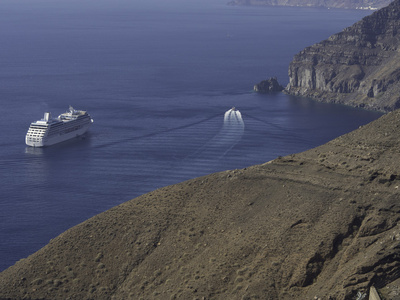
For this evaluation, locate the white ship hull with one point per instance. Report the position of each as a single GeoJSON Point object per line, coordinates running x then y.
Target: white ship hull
{"type": "Point", "coordinates": [47, 132]}
{"type": "Point", "coordinates": [48, 141]}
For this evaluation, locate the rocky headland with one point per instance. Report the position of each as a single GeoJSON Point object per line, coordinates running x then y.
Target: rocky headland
{"type": "Point", "coordinates": [344, 4]}
{"type": "Point", "coordinates": [359, 66]}
{"type": "Point", "coordinates": [322, 224]}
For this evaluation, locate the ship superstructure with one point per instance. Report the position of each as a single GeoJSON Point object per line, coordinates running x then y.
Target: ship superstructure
{"type": "Point", "coordinates": [48, 131]}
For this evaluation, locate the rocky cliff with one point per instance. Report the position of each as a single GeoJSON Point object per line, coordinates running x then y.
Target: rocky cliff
{"type": "Point", "coordinates": [322, 224]}
{"type": "Point", "coordinates": [267, 86]}
{"type": "Point", "coordinates": [347, 4]}
{"type": "Point", "coordinates": [359, 66]}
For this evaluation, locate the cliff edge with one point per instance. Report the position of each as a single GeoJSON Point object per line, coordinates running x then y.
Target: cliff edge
{"type": "Point", "coordinates": [359, 66]}
{"type": "Point", "coordinates": [322, 224]}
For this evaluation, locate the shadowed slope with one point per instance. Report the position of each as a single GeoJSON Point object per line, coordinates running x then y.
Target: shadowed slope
{"type": "Point", "coordinates": [320, 223]}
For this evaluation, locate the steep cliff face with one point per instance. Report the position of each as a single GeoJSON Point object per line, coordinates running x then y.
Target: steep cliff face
{"type": "Point", "coordinates": [359, 66]}
{"type": "Point", "coordinates": [347, 4]}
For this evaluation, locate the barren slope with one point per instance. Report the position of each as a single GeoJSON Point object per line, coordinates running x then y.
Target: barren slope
{"type": "Point", "coordinates": [320, 223]}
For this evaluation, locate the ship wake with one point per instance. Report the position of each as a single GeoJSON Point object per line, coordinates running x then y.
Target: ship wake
{"type": "Point", "coordinates": [229, 135]}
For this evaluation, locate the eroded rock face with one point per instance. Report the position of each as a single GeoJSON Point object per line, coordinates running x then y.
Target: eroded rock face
{"type": "Point", "coordinates": [359, 66]}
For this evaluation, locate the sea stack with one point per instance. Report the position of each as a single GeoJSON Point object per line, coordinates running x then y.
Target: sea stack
{"type": "Point", "coordinates": [268, 85]}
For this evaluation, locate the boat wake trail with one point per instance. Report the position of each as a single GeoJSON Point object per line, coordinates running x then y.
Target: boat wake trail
{"type": "Point", "coordinates": [287, 131]}
{"type": "Point", "coordinates": [189, 150]}
{"type": "Point", "coordinates": [153, 134]}
{"type": "Point", "coordinates": [229, 135]}
{"type": "Point", "coordinates": [278, 131]}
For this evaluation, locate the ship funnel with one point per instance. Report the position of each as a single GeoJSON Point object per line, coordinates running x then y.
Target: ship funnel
{"type": "Point", "coordinates": [47, 116]}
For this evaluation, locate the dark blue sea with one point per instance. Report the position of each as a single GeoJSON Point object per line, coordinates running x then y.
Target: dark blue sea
{"type": "Point", "coordinates": [157, 77]}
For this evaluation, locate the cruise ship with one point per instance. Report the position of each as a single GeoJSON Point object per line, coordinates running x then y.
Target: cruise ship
{"type": "Point", "coordinates": [48, 131]}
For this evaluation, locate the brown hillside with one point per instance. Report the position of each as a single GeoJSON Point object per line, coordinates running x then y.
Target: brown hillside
{"type": "Point", "coordinates": [322, 223]}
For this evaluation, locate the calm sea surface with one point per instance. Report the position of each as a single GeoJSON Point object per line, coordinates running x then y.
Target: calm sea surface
{"type": "Point", "coordinates": [157, 78]}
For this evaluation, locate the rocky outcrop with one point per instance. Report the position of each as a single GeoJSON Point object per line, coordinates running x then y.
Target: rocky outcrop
{"type": "Point", "coordinates": [359, 66]}
{"type": "Point", "coordinates": [346, 4]}
{"type": "Point", "coordinates": [322, 224]}
{"type": "Point", "coordinates": [268, 85]}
